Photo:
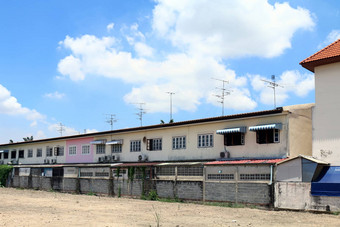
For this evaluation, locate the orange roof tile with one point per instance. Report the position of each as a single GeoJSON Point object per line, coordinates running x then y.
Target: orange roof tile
{"type": "Point", "coordinates": [329, 54]}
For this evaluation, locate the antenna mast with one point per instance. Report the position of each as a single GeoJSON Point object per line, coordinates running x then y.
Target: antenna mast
{"type": "Point", "coordinates": [170, 93]}
{"type": "Point", "coordinates": [111, 118]}
{"type": "Point", "coordinates": [272, 84]}
{"type": "Point", "coordinates": [141, 112]}
{"type": "Point", "coordinates": [225, 92]}
{"type": "Point", "coordinates": [61, 129]}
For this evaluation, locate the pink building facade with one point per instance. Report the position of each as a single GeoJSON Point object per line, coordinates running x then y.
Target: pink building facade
{"type": "Point", "coordinates": [79, 150]}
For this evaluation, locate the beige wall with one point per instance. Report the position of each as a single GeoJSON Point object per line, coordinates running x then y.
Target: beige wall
{"type": "Point", "coordinates": [295, 138]}
{"type": "Point", "coordinates": [326, 124]}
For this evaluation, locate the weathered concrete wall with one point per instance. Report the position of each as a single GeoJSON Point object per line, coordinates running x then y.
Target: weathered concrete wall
{"type": "Point", "coordinates": [122, 185]}
{"type": "Point", "coordinates": [45, 183]}
{"type": "Point", "coordinates": [296, 195]}
{"type": "Point", "coordinates": [220, 192]}
{"type": "Point", "coordinates": [70, 184]}
{"type": "Point", "coordinates": [257, 193]}
{"type": "Point", "coordinates": [166, 189]}
{"type": "Point", "coordinates": [24, 182]}
{"type": "Point", "coordinates": [190, 190]}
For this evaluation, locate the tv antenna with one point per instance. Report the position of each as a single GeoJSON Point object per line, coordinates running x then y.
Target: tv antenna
{"type": "Point", "coordinates": [61, 128]}
{"type": "Point", "coordinates": [141, 112]}
{"type": "Point", "coordinates": [111, 118]}
{"type": "Point", "coordinates": [224, 92]}
{"type": "Point", "coordinates": [272, 84]}
{"type": "Point", "coordinates": [171, 93]}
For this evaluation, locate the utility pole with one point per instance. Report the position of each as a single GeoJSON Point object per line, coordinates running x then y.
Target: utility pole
{"type": "Point", "coordinates": [224, 91]}
{"type": "Point", "coordinates": [170, 93]}
{"type": "Point", "coordinates": [111, 118]}
{"type": "Point", "coordinates": [61, 129]}
{"type": "Point", "coordinates": [141, 112]}
{"type": "Point", "coordinates": [272, 84]}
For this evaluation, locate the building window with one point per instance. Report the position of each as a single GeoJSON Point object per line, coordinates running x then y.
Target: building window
{"type": "Point", "coordinates": [190, 170]}
{"type": "Point", "coordinates": [116, 148]}
{"type": "Point", "coordinates": [85, 149]}
{"type": "Point", "coordinates": [100, 149]}
{"type": "Point", "coordinates": [154, 144]}
{"type": "Point", "coordinates": [234, 139]}
{"type": "Point", "coordinates": [268, 136]}
{"type": "Point", "coordinates": [6, 155]}
{"type": "Point", "coordinates": [60, 151]}
{"type": "Point", "coordinates": [255, 176]}
{"type": "Point", "coordinates": [135, 146]}
{"type": "Point", "coordinates": [166, 171]}
{"type": "Point", "coordinates": [13, 154]}
{"type": "Point", "coordinates": [72, 150]}
{"type": "Point", "coordinates": [205, 140]}
{"type": "Point", "coordinates": [29, 153]}
{"type": "Point", "coordinates": [21, 154]}
{"type": "Point", "coordinates": [49, 151]}
{"type": "Point", "coordinates": [86, 174]}
{"type": "Point", "coordinates": [39, 152]}
{"type": "Point", "coordinates": [178, 142]}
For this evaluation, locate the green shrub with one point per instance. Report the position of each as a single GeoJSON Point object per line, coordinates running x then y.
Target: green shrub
{"type": "Point", "coordinates": [4, 172]}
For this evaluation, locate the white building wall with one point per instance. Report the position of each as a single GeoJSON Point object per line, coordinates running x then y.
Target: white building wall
{"type": "Point", "coordinates": [326, 124]}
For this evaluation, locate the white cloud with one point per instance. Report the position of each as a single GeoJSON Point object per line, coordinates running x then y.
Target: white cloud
{"type": "Point", "coordinates": [331, 37]}
{"type": "Point", "coordinates": [67, 131]}
{"type": "Point", "coordinates": [55, 95]}
{"type": "Point", "coordinates": [230, 28]}
{"type": "Point", "coordinates": [110, 26]}
{"type": "Point", "coordinates": [9, 105]}
{"type": "Point", "coordinates": [290, 81]}
{"type": "Point", "coordinates": [143, 50]}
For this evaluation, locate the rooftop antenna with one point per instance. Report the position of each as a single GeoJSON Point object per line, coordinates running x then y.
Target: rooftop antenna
{"type": "Point", "coordinates": [272, 84]}
{"type": "Point", "coordinates": [141, 112]}
{"type": "Point", "coordinates": [170, 93]}
{"type": "Point", "coordinates": [61, 129]}
{"type": "Point", "coordinates": [224, 93]}
{"type": "Point", "coordinates": [111, 118]}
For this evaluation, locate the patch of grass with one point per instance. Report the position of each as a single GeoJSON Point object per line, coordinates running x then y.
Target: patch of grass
{"type": "Point", "coordinates": [231, 205]}
{"type": "Point", "coordinates": [170, 200]}
{"type": "Point", "coordinates": [91, 193]}
{"type": "Point", "coordinates": [335, 213]}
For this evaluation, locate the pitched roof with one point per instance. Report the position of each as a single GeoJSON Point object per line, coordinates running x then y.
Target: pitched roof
{"type": "Point", "coordinates": [310, 158]}
{"type": "Point", "coordinates": [329, 54]}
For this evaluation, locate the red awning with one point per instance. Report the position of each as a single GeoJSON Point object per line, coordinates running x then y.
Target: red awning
{"type": "Point", "coordinates": [246, 161]}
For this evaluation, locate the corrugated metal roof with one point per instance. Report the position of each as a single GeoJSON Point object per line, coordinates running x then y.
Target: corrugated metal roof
{"type": "Point", "coordinates": [310, 158]}
{"type": "Point", "coordinates": [180, 163]}
{"type": "Point", "coordinates": [139, 164]}
{"type": "Point", "coordinates": [246, 161]}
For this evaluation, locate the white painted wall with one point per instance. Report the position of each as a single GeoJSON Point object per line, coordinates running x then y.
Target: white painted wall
{"type": "Point", "coordinates": [326, 124]}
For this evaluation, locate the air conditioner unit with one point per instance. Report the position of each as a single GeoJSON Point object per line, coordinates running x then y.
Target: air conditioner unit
{"type": "Point", "coordinates": [46, 161]}
{"type": "Point", "coordinates": [225, 154]}
{"type": "Point", "coordinates": [115, 158]}
{"type": "Point", "coordinates": [101, 159]}
{"type": "Point", "coordinates": [108, 158]}
{"type": "Point", "coordinates": [142, 158]}
{"type": "Point", "coordinates": [54, 161]}
{"type": "Point", "coordinates": [14, 162]}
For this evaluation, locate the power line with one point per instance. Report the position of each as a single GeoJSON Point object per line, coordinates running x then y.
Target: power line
{"type": "Point", "coordinates": [61, 129]}
{"type": "Point", "coordinates": [224, 92]}
{"type": "Point", "coordinates": [170, 93]}
{"type": "Point", "coordinates": [111, 118]}
{"type": "Point", "coordinates": [272, 84]}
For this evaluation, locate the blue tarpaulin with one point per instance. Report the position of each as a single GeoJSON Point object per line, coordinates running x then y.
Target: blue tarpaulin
{"type": "Point", "coordinates": [327, 183]}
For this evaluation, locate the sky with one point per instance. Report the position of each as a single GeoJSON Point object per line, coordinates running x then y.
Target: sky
{"type": "Point", "coordinates": [76, 62]}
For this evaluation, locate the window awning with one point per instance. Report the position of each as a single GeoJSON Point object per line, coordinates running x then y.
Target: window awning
{"type": "Point", "coordinates": [113, 142]}
{"type": "Point", "coordinates": [96, 142]}
{"type": "Point", "coordinates": [231, 130]}
{"type": "Point", "coordinates": [265, 127]}
{"type": "Point", "coordinates": [3, 151]}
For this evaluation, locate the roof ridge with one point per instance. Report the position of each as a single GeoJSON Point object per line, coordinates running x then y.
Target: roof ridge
{"type": "Point", "coordinates": [323, 49]}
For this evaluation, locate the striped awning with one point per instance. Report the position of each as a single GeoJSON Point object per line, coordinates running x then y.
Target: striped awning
{"type": "Point", "coordinates": [113, 142]}
{"type": "Point", "coordinates": [265, 127]}
{"type": "Point", "coordinates": [96, 142]}
{"type": "Point", "coordinates": [231, 130]}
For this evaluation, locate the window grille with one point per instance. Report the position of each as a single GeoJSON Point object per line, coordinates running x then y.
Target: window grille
{"type": "Point", "coordinates": [39, 152]}
{"type": "Point", "coordinates": [166, 171]}
{"type": "Point", "coordinates": [255, 176]}
{"type": "Point", "coordinates": [49, 151]}
{"type": "Point", "coordinates": [30, 153]}
{"type": "Point", "coordinates": [178, 142]}
{"type": "Point", "coordinates": [85, 149]}
{"type": "Point", "coordinates": [190, 170]}
{"type": "Point", "coordinates": [100, 148]}
{"type": "Point", "coordinates": [101, 174]}
{"type": "Point", "coordinates": [86, 174]}
{"type": "Point", "coordinates": [135, 145]}
{"type": "Point", "coordinates": [221, 176]}
{"type": "Point", "coordinates": [72, 150]}
{"type": "Point", "coordinates": [116, 148]}
{"type": "Point", "coordinates": [154, 144]}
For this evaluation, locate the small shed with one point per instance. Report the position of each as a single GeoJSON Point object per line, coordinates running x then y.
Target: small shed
{"type": "Point", "coordinates": [299, 169]}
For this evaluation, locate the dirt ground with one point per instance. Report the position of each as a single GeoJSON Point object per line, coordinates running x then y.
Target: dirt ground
{"type": "Point", "coordinates": [39, 208]}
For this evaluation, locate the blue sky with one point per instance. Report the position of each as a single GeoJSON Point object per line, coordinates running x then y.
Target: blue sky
{"type": "Point", "coordinates": [73, 62]}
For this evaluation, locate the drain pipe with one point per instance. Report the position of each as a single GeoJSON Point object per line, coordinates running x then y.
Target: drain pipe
{"type": "Point", "coordinates": [271, 175]}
